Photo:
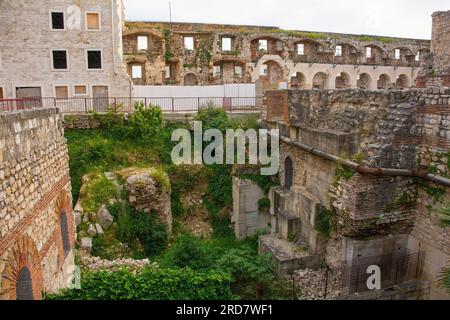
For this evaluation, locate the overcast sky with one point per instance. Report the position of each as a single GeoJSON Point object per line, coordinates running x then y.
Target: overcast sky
{"type": "Point", "coordinates": [400, 18]}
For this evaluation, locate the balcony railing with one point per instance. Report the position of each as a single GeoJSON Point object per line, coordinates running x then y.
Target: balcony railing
{"type": "Point", "coordinates": [126, 105]}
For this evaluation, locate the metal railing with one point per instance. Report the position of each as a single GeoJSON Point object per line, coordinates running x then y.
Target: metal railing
{"type": "Point", "coordinates": [126, 105]}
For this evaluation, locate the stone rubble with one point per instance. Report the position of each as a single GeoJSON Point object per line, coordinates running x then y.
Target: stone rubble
{"type": "Point", "coordinates": [95, 264]}
{"type": "Point", "coordinates": [311, 284]}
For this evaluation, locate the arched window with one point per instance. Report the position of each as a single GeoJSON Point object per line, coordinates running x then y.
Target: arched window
{"type": "Point", "coordinates": [320, 81]}
{"type": "Point", "coordinates": [65, 233]}
{"type": "Point", "coordinates": [24, 286]}
{"type": "Point", "coordinates": [288, 173]}
{"type": "Point", "coordinates": [342, 81]}
{"type": "Point", "coordinates": [364, 81]}
{"type": "Point", "coordinates": [190, 80]}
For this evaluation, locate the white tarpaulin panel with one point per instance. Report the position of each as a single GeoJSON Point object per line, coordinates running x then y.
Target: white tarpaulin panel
{"type": "Point", "coordinates": [191, 98]}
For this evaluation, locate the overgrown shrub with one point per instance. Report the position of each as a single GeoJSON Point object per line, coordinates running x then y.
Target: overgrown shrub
{"type": "Point", "coordinates": [145, 124]}
{"type": "Point", "coordinates": [150, 284]}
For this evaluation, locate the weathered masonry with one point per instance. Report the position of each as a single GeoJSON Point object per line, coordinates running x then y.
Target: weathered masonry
{"type": "Point", "coordinates": [201, 54]}
{"type": "Point", "coordinates": [62, 49]}
{"type": "Point", "coordinates": [37, 231]}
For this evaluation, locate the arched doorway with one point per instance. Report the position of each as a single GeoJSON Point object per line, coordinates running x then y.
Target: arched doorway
{"type": "Point", "coordinates": [288, 173]}
{"type": "Point", "coordinates": [190, 80]}
{"type": "Point", "coordinates": [298, 81]}
{"type": "Point", "coordinates": [24, 286]}
{"type": "Point", "coordinates": [320, 81]}
{"type": "Point", "coordinates": [343, 81]}
{"type": "Point", "coordinates": [384, 82]}
{"type": "Point", "coordinates": [364, 81]}
{"type": "Point", "coordinates": [402, 82]}
{"type": "Point", "coordinates": [274, 74]}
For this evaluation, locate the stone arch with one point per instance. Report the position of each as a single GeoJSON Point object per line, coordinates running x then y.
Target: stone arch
{"type": "Point", "coordinates": [22, 277]}
{"type": "Point", "coordinates": [298, 80]}
{"type": "Point", "coordinates": [364, 81]}
{"type": "Point", "coordinates": [320, 81]}
{"type": "Point", "coordinates": [384, 82]}
{"type": "Point", "coordinates": [288, 173]}
{"type": "Point", "coordinates": [402, 82]}
{"type": "Point", "coordinates": [190, 79]}
{"type": "Point", "coordinates": [342, 81]}
{"type": "Point", "coordinates": [274, 73]}
{"type": "Point", "coordinates": [65, 233]}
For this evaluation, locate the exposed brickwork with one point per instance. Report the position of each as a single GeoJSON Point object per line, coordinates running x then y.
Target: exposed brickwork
{"type": "Point", "coordinates": [34, 191]}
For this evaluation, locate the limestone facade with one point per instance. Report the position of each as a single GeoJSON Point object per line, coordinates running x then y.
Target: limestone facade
{"type": "Point", "coordinates": [302, 59]}
{"type": "Point", "coordinates": [29, 39]}
{"type": "Point", "coordinates": [37, 233]}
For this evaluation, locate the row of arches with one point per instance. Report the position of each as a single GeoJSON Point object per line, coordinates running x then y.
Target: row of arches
{"type": "Point", "coordinates": [321, 80]}
{"type": "Point", "coordinates": [23, 275]}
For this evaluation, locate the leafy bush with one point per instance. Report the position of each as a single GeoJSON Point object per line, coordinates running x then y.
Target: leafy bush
{"type": "Point", "coordinates": [323, 224]}
{"type": "Point", "coordinates": [264, 204]}
{"type": "Point", "coordinates": [213, 118]}
{"type": "Point", "coordinates": [150, 284]}
{"type": "Point", "coordinates": [190, 251]}
{"type": "Point", "coordinates": [145, 123]}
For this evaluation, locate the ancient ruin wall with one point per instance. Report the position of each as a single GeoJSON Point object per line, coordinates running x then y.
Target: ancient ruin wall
{"type": "Point", "coordinates": [440, 43]}
{"type": "Point", "coordinates": [36, 224]}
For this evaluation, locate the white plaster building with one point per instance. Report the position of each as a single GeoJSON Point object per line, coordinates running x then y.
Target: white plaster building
{"type": "Point", "coordinates": [62, 49]}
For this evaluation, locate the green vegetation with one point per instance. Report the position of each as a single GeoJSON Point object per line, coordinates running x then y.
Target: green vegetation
{"type": "Point", "coordinates": [151, 284]}
{"type": "Point", "coordinates": [264, 205]}
{"type": "Point", "coordinates": [219, 267]}
{"type": "Point", "coordinates": [324, 222]}
{"type": "Point", "coordinates": [343, 172]}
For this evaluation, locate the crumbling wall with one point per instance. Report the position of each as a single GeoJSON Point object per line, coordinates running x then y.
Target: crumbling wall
{"type": "Point", "coordinates": [36, 223]}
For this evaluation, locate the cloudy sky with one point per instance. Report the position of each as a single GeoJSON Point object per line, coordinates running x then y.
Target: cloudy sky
{"type": "Point", "coordinates": [401, 18]}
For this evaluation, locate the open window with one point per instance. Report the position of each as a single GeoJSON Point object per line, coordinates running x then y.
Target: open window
{"type": "Point", "coordinates": [338, 51]}
{"type": "Point", "coordinates": [226, 44]}
{"type": "Point", "coordinates": [398, 54]}
{"type": "Point", "coordinates": [238, 72]}
{"type": "Point", "coordinates": [59, 60]}
{"type": "Point", "coordinates": [189, 43]}
{"type": "Point", "coordinates": [368, 52]}
{"type": "Point", "coordinates": [94, 59]}
{"type": "Point", "coordinates": [301, 49]}
{"type": "Point", "coordinates": [263, 45]}
{"type": "Point", "coordinates": [136, 72]}
{"type": "Point", "coordinates": [142, 42]}
{"type": "Point", "coordinates": [217, 71]}
{"type": "Point", "coordinates": [57, 20]}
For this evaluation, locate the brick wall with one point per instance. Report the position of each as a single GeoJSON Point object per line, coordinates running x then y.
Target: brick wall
{"type": "Point", "coordinates": [34, 192]}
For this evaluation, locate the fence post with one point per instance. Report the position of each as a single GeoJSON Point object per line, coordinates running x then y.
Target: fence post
{"type": "Point", "coordinates": [173, 104]}
{"type": "Point", "coordinates": [198, 104]}
{"type": "Point", "coordinates": [85, 105]}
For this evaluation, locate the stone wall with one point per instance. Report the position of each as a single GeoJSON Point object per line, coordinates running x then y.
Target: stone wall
{"type": "Point", "coordinates": [36, 225]}
{"type": "Point", "coordinates": [283, 62]}
{"type": "Point", "coordinates": [28, 41]}
{"type": "Point", "coordinates": [440, 43]}
{"type": "Point", "coordinates": [392, 129]}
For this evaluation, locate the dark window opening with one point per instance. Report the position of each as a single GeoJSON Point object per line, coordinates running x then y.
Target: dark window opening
{"type": "Point", "coordinates": [94, 59]}
{"type": "Point", "coordinates": [288, 173]}
{"type": "Point", "coordinates": [59, 60]}
{"type": "Point", "coordinates": [57, 20]}
{"type": "Point", "coordinates": [24, 286]}
{"type": "Point", "coordinates": [65, 234]}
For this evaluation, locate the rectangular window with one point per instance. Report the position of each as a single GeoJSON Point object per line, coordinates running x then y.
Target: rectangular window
{"type": "Point", "coordinates": [93, 21]}
{"type": "Point", "coordinates": [142, 43]}
{"type": "Point", "coordinates": [80, 90]}
{"type": "Point", "coordinates": [397, 54]}
{"type": "Point", "coordinates": [168, 75]}
{"type": "Point", "coordinates": [57, 20]}
{"type": "Point", "coordinates": [136, 72]}
{"type": "Point", "coordinates": [263, 71]}
{"type": "Point", "coordinates": [189, 43]}
{"type": "Point", "coordinates": [217, 71]}
{"type": "Point", "coordinates": [226, 44]}
{"type": "Point", "coordinates": [262, 45]}
{"type": "Point", "coordinates": [94, 59]}
{"type": "Point", "coordinates": [368, 52]}
{"type": "Point", "coordinates": [418, 56]}
{"type": "Point", "coordinates": [338, 52]}
{"type": "Point", "coordinates": [301, 49]}
{"type": "Point", "coordinates": [1, 93]}
{"type": "Point", "coordinates": [61, 92]}
{"type": "Point", "coordinates": [238, 71]}
{"type": "Point", "coordinates": [59, 58]}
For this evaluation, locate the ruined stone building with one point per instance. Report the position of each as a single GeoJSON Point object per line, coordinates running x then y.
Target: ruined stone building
{"type": "Point", "coordinates": [62, 49]}
{"type": "Point", "coordinates": [363, 174]}
{"type": "Point", "coordinates": [205, 54]}
{"type": "Point", "coordinates": [37, 231]}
